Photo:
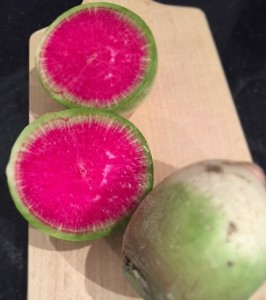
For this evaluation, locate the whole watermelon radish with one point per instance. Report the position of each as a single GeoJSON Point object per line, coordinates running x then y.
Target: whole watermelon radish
{"type": "Point", "coordinates": [200, 234]}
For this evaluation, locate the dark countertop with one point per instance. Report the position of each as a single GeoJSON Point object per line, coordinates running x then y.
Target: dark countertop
{"type": "Point", "coordinates": [239, 31]}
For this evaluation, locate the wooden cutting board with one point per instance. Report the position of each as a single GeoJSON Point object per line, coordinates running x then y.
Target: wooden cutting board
{"type": "Point", "coordinates": [188, 116]}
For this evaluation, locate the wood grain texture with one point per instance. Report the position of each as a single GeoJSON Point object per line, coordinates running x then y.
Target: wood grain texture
{"type": "Point", "coordinates": [188, 116]}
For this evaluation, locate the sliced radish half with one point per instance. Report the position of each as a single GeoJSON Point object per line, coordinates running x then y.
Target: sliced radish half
{"type": "Point", "coordinates": [78, 174]}
{"type": "Point", "coordinates": [98, 55]}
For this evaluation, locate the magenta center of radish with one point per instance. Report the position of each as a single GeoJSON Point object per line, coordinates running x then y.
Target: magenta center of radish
{"type": "Point", "coordinates": [97, 55]}
{"type": "Point", "coordinates": [80, 175]}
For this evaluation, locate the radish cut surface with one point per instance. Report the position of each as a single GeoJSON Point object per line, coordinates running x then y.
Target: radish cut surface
{"type": "Point", "coordinates": [78, 174]}
{"type": "Point", "coordinates": [97, 55]}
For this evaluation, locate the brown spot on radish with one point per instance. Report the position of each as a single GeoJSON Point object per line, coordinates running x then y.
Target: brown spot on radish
{"type": "Point", "coordinates": [214, 169]}
{"type": "Point", "coordinates": [243, 178]}
{"type": "Point", "coordinates": [232, 228]}
{"type": "Point", "coordinates": [230, 263]}
{"type": "Point", "coordinates": [127, 261]}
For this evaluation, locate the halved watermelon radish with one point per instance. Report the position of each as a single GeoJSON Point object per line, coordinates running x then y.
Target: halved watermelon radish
{"type": "Point", "coordinates": [98, 55]}
{"type": "Point", "coordinates": [78, 174]}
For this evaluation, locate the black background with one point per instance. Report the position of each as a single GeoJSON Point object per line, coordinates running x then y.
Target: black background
{"type": "Point", "coordinates": [239, 31]}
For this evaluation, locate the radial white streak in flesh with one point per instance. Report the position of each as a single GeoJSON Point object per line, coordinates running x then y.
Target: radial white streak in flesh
{"type": "Point", "coordinates": [106, 170]}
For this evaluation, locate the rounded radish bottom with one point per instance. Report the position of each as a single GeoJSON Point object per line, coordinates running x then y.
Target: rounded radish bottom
{"type": "Point", "coordinates": [78, 174]}
{"type": "Point", "coordinates": [98, 55]}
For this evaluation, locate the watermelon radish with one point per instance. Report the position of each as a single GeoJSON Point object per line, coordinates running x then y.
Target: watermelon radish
{"type": "Point", "coordinates": [200, 234]}
{"type": "Point", "coordinates": [80, 173]}
{"type": "Point", "coordinates": [97, 55]}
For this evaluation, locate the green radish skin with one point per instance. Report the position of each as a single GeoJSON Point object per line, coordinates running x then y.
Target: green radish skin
{"type": "Point", "coordinates": [200, 234]}
{"type": "Point", "coordinates": [127, 102]}
{"type": "Point", "coordinates": [36, 128]}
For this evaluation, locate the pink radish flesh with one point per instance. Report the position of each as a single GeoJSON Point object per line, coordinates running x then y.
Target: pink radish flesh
{"type": "Point", "coordinates": [96, 55]}
{"type": "Point", "coordinates": [77, 176]}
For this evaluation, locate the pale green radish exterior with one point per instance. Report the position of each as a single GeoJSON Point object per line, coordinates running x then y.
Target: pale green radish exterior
{"type": "Point", "coordinates": [35, 125]}
{"type": "Point", "coordinates": [138, 94]}
{"type": "Point", "coordinates": [199, 235]}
